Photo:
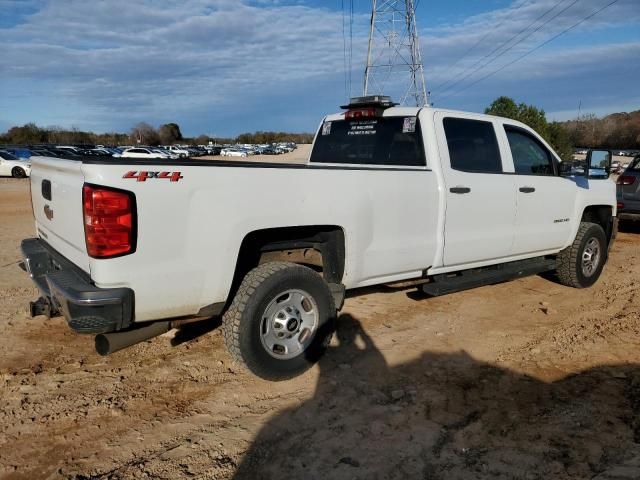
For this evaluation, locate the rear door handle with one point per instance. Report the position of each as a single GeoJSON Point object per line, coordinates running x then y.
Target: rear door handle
{"type": "Point", "coordinates": [460, 190]}
{"type": "Point", "coordinates": [527, 189]}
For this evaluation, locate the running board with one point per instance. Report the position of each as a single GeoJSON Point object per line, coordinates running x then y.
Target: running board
{"type": "Point", "coordinates": [477, 277]}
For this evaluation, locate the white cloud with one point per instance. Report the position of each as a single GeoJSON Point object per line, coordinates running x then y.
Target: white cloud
{"type": "Point", "coordinates": [116, 62]}
{"type": "Point", "coordinates": [121, 55]}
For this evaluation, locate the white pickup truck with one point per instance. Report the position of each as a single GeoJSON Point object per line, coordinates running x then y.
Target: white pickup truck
{"type": "Point", "coordinates": [128, 248]}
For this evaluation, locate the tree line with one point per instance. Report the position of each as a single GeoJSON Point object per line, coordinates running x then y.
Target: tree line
{"type": "Point", "coordinates": [616, 131]}
{"type": "Point", "coordinates": [142, 133]}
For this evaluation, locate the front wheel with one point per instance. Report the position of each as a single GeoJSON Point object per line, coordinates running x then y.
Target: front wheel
{"type": "Point", "coordinates": [581, 264]}
{"type": "Point", "coordinates": [18, 172]}
{"type": "Point", "coordinates": [280, 321]}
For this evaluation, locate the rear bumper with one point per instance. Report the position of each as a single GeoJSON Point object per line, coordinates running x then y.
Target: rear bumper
{"type": "Point", "coordinates": [630, 208]}
{"type": "Point", "coordinates": [68, 289]}
{"type": "Point", "coordinates": [628, 215]}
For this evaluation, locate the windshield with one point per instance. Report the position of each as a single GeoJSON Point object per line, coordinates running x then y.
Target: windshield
{"type": "Point", "coordinates": [394, 141]}
{"type": "Point", "coordinates": [8, 156]}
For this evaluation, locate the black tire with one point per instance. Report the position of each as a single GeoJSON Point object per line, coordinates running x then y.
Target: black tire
{"type": "Point", "coordinates": [243, 325]}
{"type": "Point", "coordinates": [570, 268]}
{"type": "Point", "coordinates": [18, 172]}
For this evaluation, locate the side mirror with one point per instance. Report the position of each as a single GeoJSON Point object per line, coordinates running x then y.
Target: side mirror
{"type": "Point", "coordinates": [598, 164]}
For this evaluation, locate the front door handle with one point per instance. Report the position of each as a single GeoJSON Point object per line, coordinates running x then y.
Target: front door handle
{"type": "Point", "coordinates": [527, 189]}
{"type": "Point", "coordinates": [460, 190]}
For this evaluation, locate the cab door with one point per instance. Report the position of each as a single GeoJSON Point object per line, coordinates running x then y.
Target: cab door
{"type": "Point", "coordinates": [545, 201]}
{"type": "Point", "coordinates": [480, 198]}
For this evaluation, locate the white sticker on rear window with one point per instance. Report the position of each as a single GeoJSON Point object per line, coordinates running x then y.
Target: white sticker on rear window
{"type": "Point", "coordinates": [409, 125]}
{"type": "Point", "coordinates": [326, 128]}
{"type": "Point", "coordinates": [363, 127]}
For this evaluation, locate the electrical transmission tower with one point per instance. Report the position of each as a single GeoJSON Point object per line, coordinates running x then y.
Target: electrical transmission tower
{"type": "Point", "coordinates": [394, 63]}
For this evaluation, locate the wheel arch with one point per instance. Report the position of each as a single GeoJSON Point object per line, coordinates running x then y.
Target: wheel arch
{"type": "Point", "coordinates": [601, 215]}
{"type": "Point", "coordinates": [294, 244]}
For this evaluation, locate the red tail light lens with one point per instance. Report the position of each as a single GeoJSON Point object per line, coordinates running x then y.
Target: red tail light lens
{"type": "Point", "coordinates": [109, 221]}
{"type": "Point", "coordinates": [626, 180]}
{"type": "Point", "coordinates": [620, 205]}
{"type": "Point", "coordinates": [360, 113]}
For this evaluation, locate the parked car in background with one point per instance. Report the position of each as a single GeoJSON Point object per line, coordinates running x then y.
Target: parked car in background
{"type": "Point", "coordinates": [233, 152]}
{"type": "Point", "coordinates": [95, 152]}
{"type": "Point", "coordinates": [139, 152]}
{"type": "Point", "coordinates": [172, 156]}
{"type": "Point", "coordinates": [269, 151]}
{"type": "Point", "coordinates": [214, 149]}
{"type": "Point", "coordinates": [42, 152]}
{"type": "Point", "coordinates": [180, 151]}
{"type": "Point", "coordinates": [75, 150]}
{"type": "Point", "coordinates": [19, 152]}
{"type": "Point", "coordinates": [628, 192]}
{"type": "Point", "coordinates": [12, 166]}
{"type": "Point", "coordinates": [65, 153]}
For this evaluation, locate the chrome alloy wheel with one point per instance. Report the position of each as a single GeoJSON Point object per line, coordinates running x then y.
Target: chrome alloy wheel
{"type": "Point", "coordinates": [289, 324]}
{"type": "Point", "coordinates": [591, 257]}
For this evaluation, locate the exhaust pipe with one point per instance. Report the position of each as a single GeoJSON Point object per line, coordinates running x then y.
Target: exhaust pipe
{"type": "Point", "coordinates": [107, 343]}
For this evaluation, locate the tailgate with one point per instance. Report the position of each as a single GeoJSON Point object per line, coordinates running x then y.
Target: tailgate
{"type": "Point", "coordinates": [56, 192]}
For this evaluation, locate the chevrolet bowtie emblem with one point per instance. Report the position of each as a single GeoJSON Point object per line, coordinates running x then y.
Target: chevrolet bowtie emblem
{"type": "Point", "coordinates": [48, 212]}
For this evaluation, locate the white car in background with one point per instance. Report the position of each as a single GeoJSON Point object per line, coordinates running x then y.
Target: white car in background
{"type": "Point", "coordinates": [139, 152]}
{"type": "Point", "coordinates": [12, 166]}
{"type": "Point", "coordinates": [172, 156]}
{"type": "Point", "coordinates": [177, 150]}
{"type": "Point", "coordinates": [233, 152]}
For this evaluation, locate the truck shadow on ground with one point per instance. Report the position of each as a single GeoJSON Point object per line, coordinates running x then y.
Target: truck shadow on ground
{"type": "Point", "coordinates": [448, 416]}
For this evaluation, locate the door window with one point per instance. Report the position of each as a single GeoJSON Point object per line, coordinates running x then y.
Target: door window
{"type": "Point", "coordinates": [473, 146]}
{"type": "Point", "coordinates": [530, 157]}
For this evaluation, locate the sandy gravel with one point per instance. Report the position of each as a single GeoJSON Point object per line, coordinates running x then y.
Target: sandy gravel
{"type": "Point", "coordinates": [523, 380]}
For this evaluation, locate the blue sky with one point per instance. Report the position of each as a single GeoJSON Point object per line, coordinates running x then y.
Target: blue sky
{"type": "Point", "coordinates": [223, 67]}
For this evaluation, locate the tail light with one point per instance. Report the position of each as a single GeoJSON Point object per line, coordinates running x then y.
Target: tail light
{"type": "Point", "coordinates": [620, 205]}
{"type": "Point", "coordinates": [109, 221]}
{"type": "Point", "coordinates": [626, 180]}
{"type": "Point", "coordinates": [360, 113]}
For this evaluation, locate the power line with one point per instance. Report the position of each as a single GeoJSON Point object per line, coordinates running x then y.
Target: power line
{"type": "Point", "coordinates": [503, 44]}
{"type": "Point", "coordinates": [474, 46]}
{"type": "Point", "coordinates": [588, 17]}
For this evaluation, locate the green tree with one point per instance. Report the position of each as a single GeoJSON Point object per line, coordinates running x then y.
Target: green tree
{"type": "Point", "coordinates": [503, 107]}
{"type": "Point", "coordinates": [560, 140]}
{"type": "Point", "coordinates": [169, 133]}
{"type": "Point", "coordinates": [534, 117]}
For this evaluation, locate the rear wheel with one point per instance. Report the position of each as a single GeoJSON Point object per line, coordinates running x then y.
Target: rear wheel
{"type": "Point", "coordinates": [581, 264]}
{"type": "Point", "coordinates": [281, 320]}
{"type": "Point", "coordinates": [18, 172]}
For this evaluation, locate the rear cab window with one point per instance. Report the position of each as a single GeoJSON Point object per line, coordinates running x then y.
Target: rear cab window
{"type": "Point", "coordinates": [389, 141]}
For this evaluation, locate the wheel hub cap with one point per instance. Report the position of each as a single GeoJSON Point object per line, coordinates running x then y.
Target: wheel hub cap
{"type": "Point", "coordinates": [590, 257]}
{"type": "Point", "coordinates": [289, 324]}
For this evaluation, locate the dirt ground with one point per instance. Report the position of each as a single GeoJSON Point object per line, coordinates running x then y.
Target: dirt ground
{"type": "Point", "coordinates": [522, 380]}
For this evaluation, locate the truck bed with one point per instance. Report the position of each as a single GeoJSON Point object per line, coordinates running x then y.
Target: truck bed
{"type": "Point", "coordinates": [189, 231]}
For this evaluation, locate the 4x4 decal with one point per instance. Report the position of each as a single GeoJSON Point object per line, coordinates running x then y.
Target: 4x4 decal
{"type": "Point", "coordinates": [143, 176]}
